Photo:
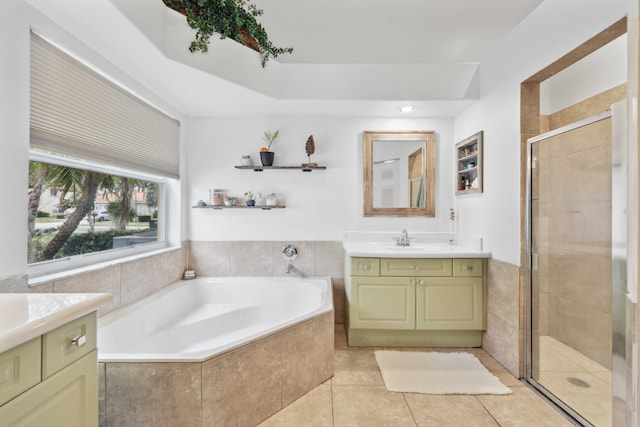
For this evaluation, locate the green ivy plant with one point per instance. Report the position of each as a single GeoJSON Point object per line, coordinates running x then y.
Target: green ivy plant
{"type": "Point", "coordinates": [235, 19]}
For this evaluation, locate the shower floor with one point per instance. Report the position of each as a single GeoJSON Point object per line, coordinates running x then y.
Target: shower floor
{"type": "Point", "coordinates": [578, 381]}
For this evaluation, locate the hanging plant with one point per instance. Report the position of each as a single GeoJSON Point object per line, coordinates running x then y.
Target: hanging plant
{"type": "Point", "coordinates": [235, 19]}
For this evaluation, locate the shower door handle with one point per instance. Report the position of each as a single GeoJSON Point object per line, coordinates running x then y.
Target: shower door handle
{"type": "Point", "coordinates": [534, 262]}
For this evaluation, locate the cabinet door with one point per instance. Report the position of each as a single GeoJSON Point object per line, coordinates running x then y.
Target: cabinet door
{"type": "Point", "coordinates": [68, 398]}
{"type": "Point", "coordinates": [19, 369]}
{"type": "Point", "coordinates": [382, 303]}
{"type": "Point", "coordinates": [450, 303]}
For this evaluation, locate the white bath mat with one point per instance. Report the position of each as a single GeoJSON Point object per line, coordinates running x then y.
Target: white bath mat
{"type": "Point", "coordinates": [437, 373]}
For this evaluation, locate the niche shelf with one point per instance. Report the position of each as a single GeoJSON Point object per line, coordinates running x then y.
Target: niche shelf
{"type": "Point", "coordinates": [469, 165]}
{"type": "Point", "coordinates": [260, 168]}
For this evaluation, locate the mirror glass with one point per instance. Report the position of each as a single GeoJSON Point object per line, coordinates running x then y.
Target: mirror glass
{"type": "Point", "coordinates": [399, 173]}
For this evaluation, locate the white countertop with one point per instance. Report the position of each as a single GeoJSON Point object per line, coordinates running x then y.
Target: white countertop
{"type": "Point", "coordinates": [26, 316]}
{"type": "Point", "coordinates": [422, 245]}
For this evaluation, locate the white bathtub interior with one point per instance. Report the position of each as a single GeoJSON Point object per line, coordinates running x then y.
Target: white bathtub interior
{"type": "Point", "coordinates": [194, 320]}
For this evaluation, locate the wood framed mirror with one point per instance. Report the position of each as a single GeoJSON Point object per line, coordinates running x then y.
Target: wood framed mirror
{"type": "Point", "coordinates": [399, 173]}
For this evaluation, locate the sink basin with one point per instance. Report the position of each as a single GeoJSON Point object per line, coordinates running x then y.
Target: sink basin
{"type": "Point", "coordinates": [415, 250]}
{"type": "Point", "coordinates": [415, 247]}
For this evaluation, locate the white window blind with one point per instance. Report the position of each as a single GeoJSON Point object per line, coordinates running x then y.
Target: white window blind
{"type": "Point", "coordinates": [77, 112]}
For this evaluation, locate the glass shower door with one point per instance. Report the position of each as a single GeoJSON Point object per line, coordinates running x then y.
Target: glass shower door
{"type": "Point", "coordinates": [569, 356]}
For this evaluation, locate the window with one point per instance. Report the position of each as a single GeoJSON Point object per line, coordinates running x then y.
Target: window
{"type": "Point", "coordinates": [100, 160]}
{"type": "Point", "coordinates": [80, 210]}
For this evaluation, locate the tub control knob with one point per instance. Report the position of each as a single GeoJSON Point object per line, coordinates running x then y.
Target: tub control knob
{"type": "Point", "coordinates": [289, 252]}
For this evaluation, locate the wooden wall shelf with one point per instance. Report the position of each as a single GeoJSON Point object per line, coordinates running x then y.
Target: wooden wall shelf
{"type": "Point", "coordinates": [262, 207]}
{"type": "Point", "coordinates": [259, 168]}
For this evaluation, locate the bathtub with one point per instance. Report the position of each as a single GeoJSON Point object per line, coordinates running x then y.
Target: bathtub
{"type": "Point", "coordinates": [197, 319]}
{"type": "Point", "coordinates": [215, 351]}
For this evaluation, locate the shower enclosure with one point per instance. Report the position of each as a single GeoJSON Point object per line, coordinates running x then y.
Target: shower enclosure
{"type": "Point", "coordinates": [576, 234]}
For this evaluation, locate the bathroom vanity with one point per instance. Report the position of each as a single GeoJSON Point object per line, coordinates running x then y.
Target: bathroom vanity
{"type": "Point", "coordinates": [421, 295]}
{"type": "Point", "coordinates": [48, 359]}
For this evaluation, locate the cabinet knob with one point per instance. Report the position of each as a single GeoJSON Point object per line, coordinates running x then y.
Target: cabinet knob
{"type": "Point", "coordinates": [421, 282]}
{"type": "Point", "coordinates": [417, 267]}
{"type": "Point", "coordinates": [365, 267]}
{"type": "Point", "coordinates": [79, 341]}
{"type": "Point", "coordinates": [469, 267]}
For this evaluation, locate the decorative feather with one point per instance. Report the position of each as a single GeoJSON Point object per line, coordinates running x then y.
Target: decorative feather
{"type": "Point", "coordinates": [310, 146]}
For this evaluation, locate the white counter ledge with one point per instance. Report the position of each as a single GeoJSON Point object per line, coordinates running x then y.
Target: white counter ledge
{"type": "Point", "coordinates": [422, 245]}
{"type": "Point", "coordinates": [368, 250]}
{"type": "Point", "coordinates": [27, 316]}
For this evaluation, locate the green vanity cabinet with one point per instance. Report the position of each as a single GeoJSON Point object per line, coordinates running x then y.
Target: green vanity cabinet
{"type": "Point", "coordinates": [437, 302]}
{"type": "Point", "coordinates": [52, 380]}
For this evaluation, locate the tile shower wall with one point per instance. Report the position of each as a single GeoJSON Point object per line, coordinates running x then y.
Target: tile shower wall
{"type": "Point", "coordinates": [127, 282]}
{"type": "Point", "coordinates": [264, 258]}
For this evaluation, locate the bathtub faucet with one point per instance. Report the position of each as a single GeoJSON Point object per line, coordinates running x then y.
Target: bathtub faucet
{"type": "Point", "coordinates": [289, 268]}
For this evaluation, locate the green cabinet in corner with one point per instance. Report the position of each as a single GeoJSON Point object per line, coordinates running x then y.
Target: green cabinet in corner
{"type": "Point", "coordinates": [52, 380]}
{"type": "Point", "coordinates": [436, 302]}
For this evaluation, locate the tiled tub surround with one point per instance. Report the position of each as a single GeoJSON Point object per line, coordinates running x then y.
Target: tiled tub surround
{"type": "Point", "coordinates": [240, 387]}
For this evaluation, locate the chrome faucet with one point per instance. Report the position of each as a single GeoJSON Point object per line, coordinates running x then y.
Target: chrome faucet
{"type": "Point", "coordinates": [403, 240]}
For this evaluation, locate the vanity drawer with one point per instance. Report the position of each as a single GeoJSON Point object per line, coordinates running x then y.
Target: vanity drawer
{"type": "Point", "coordinates": [467, 267]}
{"type": "Point", "coordinates": [415, 267]}
{"type": "Point", "coordinates": [19, 369]}
{"type": "Point", "coordinates": [365, 266]}
{"type": "Point", "coordinates": [68, 343]}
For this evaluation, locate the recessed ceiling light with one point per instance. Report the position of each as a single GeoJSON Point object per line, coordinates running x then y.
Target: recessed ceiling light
{"type": "Point", "coordinates": [407, 109]}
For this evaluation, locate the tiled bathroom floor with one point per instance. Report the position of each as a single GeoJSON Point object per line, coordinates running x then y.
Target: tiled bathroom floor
{"type": "Point", "coordinates": [356, 396]}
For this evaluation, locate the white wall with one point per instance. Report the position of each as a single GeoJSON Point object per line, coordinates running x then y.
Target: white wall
{"type": "Point", "coordinates": [596, 73]}
{"type": "Point", "coordinates": [321, 205]}
{"type": "Point", "coordinates": [552, 30]}
{"type": "Point", "coordinates": [14, 136]}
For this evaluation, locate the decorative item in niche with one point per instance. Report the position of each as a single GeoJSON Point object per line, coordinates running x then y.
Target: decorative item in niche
{"type": "Point", "coordinates": [310, 148]}
{"type": "Point", "coordinates": [235, 19]}
{"type": "Point", "coordinates": [266, 156]}
{"type": "Point", "coordinates": [468, 154]}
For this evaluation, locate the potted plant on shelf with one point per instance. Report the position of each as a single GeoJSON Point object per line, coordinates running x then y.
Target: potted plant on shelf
{"type": "Point", "coordinates": [266, 155]}
{"type": "Point", "coordinates": [235, 19]}
{"type": "Point", "coordinates": [251, 198]}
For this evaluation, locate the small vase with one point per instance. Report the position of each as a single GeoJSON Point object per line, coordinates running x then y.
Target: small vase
{"type": "Point", "coordinates": [251, 202]}
{"type": "Point", "coordinates": [266, 157]}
